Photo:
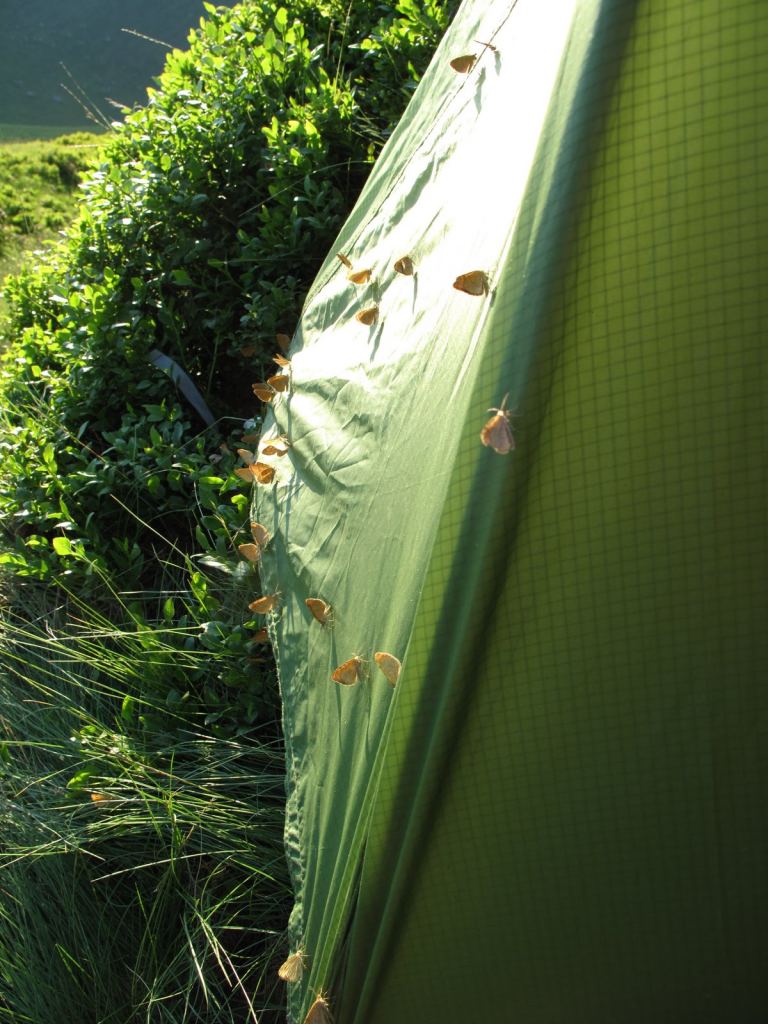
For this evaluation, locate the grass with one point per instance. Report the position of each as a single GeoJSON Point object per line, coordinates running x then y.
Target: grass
{"type": "Point", "coordinates": [39, 192]}
{"type": "Point", "coordinates": [134, 863]}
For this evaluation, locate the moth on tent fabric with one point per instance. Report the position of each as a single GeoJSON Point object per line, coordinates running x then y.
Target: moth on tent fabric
{"type": "Point", "coordinates": [279, 381]}
{"type": "Point", "coordinates": [263, 605]}
{"type": "Point", "coordinates": [475, 282]}
{"type": "Point", "coordinates": [260, 535]}
{"type": "Point", "coordinates": [389, 665]}
{"type": "Point", "coordinates": [403, 266]}
{"type": "Point", "coordinates": [281, 360]}
{"type": "Point", "coordinates": [251, 552]}
{"type": "Point", "coordinates": [359, 276]}
{"type": "Point", "coordinates": [320, 609]}
{"type": "Point", "coordinates": [464, 64]}
{"type": "Point", "coordinates": [276, 446]}
{"type": "Point", "coordinates": [263, 391]}
{"type": "Point", "coordinates": [368, 316]}
{"type": "Point", "coordinates": [345, 260]}
{"type": "Point", "coordinates": [497, 433]}
{"type": "Point", "coordinates": [258, 471]}
{"type": "Point", "coordinates": [292, 970]}
{"type": "Point", "coordinates": [349, 673]}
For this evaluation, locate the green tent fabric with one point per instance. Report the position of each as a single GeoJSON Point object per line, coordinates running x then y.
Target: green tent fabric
{"type": "Point", "coordinates": [558, 814]}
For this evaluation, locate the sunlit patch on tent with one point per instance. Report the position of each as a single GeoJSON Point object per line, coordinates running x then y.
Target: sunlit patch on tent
{"type": "Point", "coordinates": [320, 609]}
{"type": "Point", "coordinates": [497, 433]}
{"type": "Point", "coordinates": [349, 673]}
{"type": "Point", "coordinates": [389, 665]}
{"type": "Point", "coordinates": [368, 316]}
{"type": "Point", "coordinates": [475, 282]}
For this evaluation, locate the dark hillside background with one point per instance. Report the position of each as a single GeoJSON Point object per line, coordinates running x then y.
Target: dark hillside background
{"type": "Point", "coordinates": [38, 36]}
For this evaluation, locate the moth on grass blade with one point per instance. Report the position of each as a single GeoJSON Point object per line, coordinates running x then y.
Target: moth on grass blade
{"type": "Point", "coordinates": [389, 665]}
{"type": "Point", "coordinates": [319, 1012]}
{"type": "Point", "coordinates": [263, 605]}
{"type": "Point", "coordinates": [349, 672]}
{"type": "Point", "coordinates": [473, 283]}
{"type": "Point", "coordinates": [359, 276]}
{"type": "Point", "coordinates": [368, 316]}
{"type": "Point", "coordinates": [403, 266]}
{"type": "Point", "coordinates": [320, 609]}
{"type": "Point", "coordinates": [292, 969]}
{"type": "Point", "coordinates": [344, 259]}
{"type": "Point", "coordinates": [497, 433]}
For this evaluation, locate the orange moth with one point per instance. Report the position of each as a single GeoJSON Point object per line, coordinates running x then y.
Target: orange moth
{"type": "Point", "coordinates": [281, 360]}
{"type": "Point", "coordinates": [284, 341]}
{"type": "Point", "coordinates": [263, 391]}
{"type": "Point", "coordinates": [249, 350]}
{"type": "Point", "coordinates": [497, 433]}
{"type": "Point", "coordinates": [464, 64]}
{"type": "Point", "coordinates": [251, 552]}
{"type": "Point", "coordinates": [359, 276]}
{"type": "Point", "coordinates": [319, 1012]}
{"type": "Point", "coordinates": [279, 382]}
{"type": "Point", "coordinates": [349, 673]}
{"type": "Point", "coordinates": [261, 636]}
{"type": "Point", "coordinates": [246, 455]}
{"type": "Point", "coordinates": [244, 473]}
{"type": "Point", "coordinates": [262, 605]}
{"type": "Point", "coordinates": [262, 473]}
{"type": "Point", "coordinates": [320, 609]}
{"type": "Point", "coordinates": [473, 283]}
{"type": "Point", "coordinates": [344, 259]}
{"type": "Point", "coordinates": [368, 316]}
{"type": "Point", "coordinates": [101, 798]}
{"type": "Point", "coordinates": [250, 438]}
{"type": "Point", "coordinates": [293, 968]}
{"type": "Point", "coordinates": [260, 534]}
{"type": "Point", "coordinates": [389, 665]}
{"type": "Point", "coordinates": [276, 446]}
{"type": "Point", "coordinates": [404, 266]}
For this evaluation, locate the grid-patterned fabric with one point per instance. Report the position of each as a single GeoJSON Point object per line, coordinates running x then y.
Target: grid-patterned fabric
{"type": "Point", "coordinates": [558, 815]}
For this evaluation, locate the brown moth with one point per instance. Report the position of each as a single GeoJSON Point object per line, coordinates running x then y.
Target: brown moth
{"type": "Point", "coordinates": [262, 473]}
{"type": "Point", "coordinates": [249, 350]}
{"type": "Point", "coordinates": [281, 360]}
{"type": "Point", "coordinates": [284, 341]}
{"type": "Point", "coordinates": [320, 609]}
{"type": "Point", "coordinates": [262, 605]}
{"type": "Point", "coordinates": [250, 438]}
{"type": "Point", "coordinates": [344, 259]}
{"type": "Point", "coordinates": [389, 665]}
{"type": "Point", "coordinates": [368, 316]}
{"type": "Point", "coordinates": [497, 433]}
{"type": "Point", "coordinates": [276, 446]}
{"type": "Point", "coordinates": [404, 266]}
{"type": "Point", "coordinates": [244, 472]}
{"type": "Point", "coordinates": [359, 276]}
{"type": "Point", "coordinates": [246, 455]}
{"type": "Point", "coordinates": [293, 968]}
{"type": "Point", "coordinates": [260, 534]}
{"type": "Point", "coordinates": [349, 673]}
{"type": "Point", "coordinates": [251, 552]}
{"type": "Point", "coordinates": [319, 1012]}
{"type": "Point", "coordinates": [261, 636]}
{"type": "Point", "coordinates": [279, 382]}
{"type": "Point", "coordinates": [473, 283]}
{"type": "Point", "coordinates": [464, 64]}
{"type": "Point", "coordinates": [263, 391]}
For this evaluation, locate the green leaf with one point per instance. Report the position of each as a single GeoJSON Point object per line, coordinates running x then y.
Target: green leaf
{"type": "Point", "coordinates": [62, 546]}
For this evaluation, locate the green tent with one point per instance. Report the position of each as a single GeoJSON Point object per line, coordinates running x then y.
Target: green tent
{"type": "Point", "coordinates": [558, 813]}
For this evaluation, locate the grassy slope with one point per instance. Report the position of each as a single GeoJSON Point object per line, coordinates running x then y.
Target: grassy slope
{"type": "Point", "coordinates": [39, 193]}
